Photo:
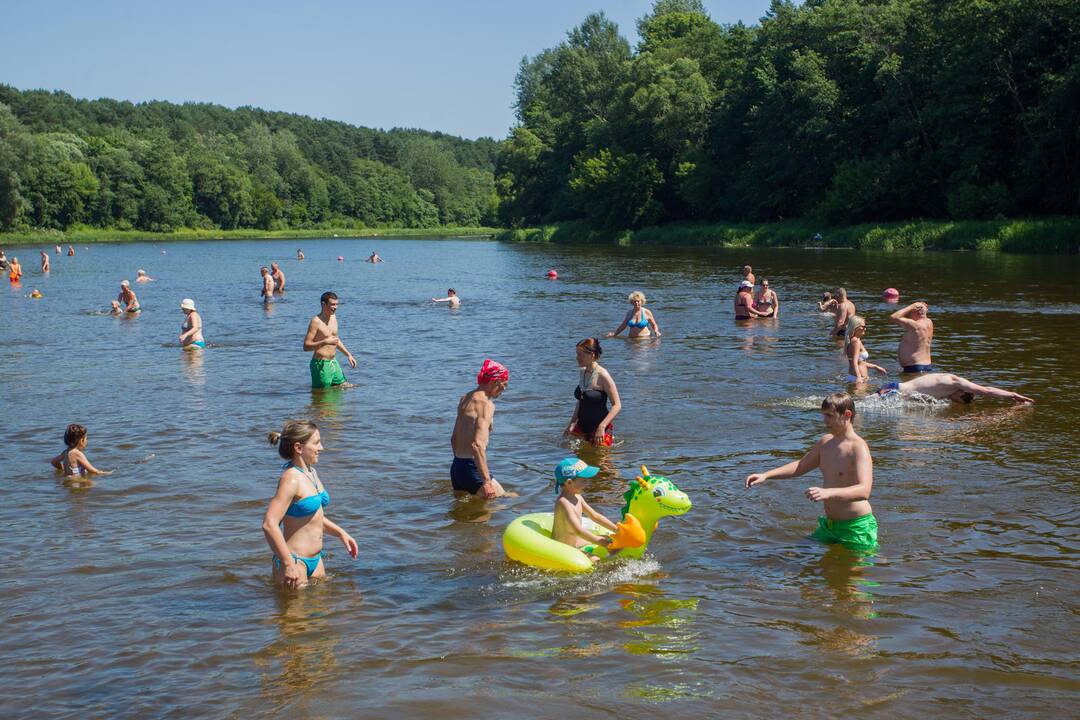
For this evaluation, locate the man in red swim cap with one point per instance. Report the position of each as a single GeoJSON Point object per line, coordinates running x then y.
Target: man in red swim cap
{"type": "Point", "coordinates": [476, 409]}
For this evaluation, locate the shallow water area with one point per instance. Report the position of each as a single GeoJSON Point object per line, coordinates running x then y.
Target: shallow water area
{"type": "Point", "coordinates": [149, 594]}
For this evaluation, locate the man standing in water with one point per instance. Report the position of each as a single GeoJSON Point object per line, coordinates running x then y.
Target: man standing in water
{"type": "Point", "coordinates": [267, 285]}
{"type": "Point", "coordinates": [476, 409]}
{"type": "Point", "coordinates": [946, 386]}
{"type": "Point", "coordinates": [848, 471]}
{"type": "Point", "coordinates": [44, 261]}
{"type": "Point", "coordinates": [914, 352]}
{"type": "Point", "coordinates": [279, 277]}
{"type": "Point", "coordinates": [322, 340]}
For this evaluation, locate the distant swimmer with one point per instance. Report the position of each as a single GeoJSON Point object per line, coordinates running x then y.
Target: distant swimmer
{"type": "Point", "coordinates": [856, 353]}
{"type": "Point", "coordinates": [44, 261]}
{"type": "Point", "coordinates": [469, 473]}
{"type": "Point", "coordinates": [323, 342]}
{"type": "Point", "coordinates": [451, 298]}
{"type": "Point", "coordinates": [57, 249]}
{"type": "Point", "coordinates": [296, 520]}
{"type": "Point", "coordinates": [142, 277]}
{"type": "Point", "coordinates": [127, 298]}
{"type": "Point", "coordinates": [638, 319]}
{"type": "Point", "coordinates": [848, 470]}
{"type": "Point", "coordinates": [71, 251]}
{"type": "Point", "coordinates": [748, 275]}
{"type": "Point", "coordinates": [15, 272]}
{"type": "Point", "coordinates": [765, 300]}
{"type": "Point", "coordinates": [299, 254]}
{"type": "Point", "coordinates": [374, 258]}
{"type": "Point", "coordinates": [267, 291]}
{"type": "Point", "coordinates": [191, 336]}
{"type": "Point", "coordinates": [36, 294]}
{"type": "Point", "coordinates": [595, 389]}
{"type": "Point", "coordinates": [914, 350]}
{"type": "Point", "coordinates": [946, 386]}
{"type": "Point", "coordinates": [845, 310]}
{"type": "Point", "coordinates": [744, 302]}
{"type": "Point", "coordinates": [72, 461]}
{"type": "Point", "coordinates": [279, 277]}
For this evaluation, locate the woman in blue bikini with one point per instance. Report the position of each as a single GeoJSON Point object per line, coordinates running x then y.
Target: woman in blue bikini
{"type": "Point", "coordinates": [295, 521]}
{"type": "Point", "coordinates": [641, 322]}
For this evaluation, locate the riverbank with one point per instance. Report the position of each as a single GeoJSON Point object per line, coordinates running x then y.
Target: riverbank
{"type": "Point", "coordinates": [1042, 235]}
{"type": "Point", "coordinates": [96, 235]}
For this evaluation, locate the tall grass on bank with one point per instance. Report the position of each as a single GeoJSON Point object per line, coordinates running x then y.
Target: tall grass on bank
{"type": "Point", "coordinates": [1042, 235]}
{"type": "Point", "coordinates": [95, 235]}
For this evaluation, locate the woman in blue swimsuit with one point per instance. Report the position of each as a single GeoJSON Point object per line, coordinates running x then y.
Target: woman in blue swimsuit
{"type": "Point", "coordinates": [295, 521]}
{"type": "Point", "coordinates": [641, 322]}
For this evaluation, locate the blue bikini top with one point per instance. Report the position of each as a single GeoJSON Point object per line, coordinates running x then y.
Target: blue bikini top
{"type": "Point", "coordinates": [643, 323]}
{"type": "Point", "coordinates": [311, 504]}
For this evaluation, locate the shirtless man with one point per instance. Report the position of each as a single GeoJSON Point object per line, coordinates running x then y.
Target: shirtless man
{"type": "Point", "coordinates": [279, 277]}
{"type": "Point", "coordinates": [127, 298]}
{"type": "Point", "coordinates": [44, 261]}
{"type": "Point", "coordinates": [845, 310]}
{"type": "Point", "coordinates": [748, 275]}
{"type": "Point", "coordinates": [946, 386]}
{"type": "Point", "coordinates": [914, 352]}
{"type": "Point", "coordinates": [323, 342]}
{"type": "Point", "coordinates": [374, 258]}
{"type": "Point", "coordinates": [848, 470]}
{"type": "Point", "coordinates": [451, 297]}
{"type": "Point", "coordinates": [142, 277]}
{"type": "Point", "coordinates": [267, 291]}
{"type": "Point", "coordinates": [476, 409]}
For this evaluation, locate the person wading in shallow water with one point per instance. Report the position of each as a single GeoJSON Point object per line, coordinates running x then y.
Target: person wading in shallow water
{"type": "Point", "coordinates": [469, 473]}
{"type": "Point", "coordinates": [323, 342]}
{"type": "Point", "coordinates": [914, 350]}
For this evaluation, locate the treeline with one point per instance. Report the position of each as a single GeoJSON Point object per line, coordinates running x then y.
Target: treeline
{"type": "Point", "coordinates": [840, 111]}
{"type": "Point", "coordinates": [159, 166]}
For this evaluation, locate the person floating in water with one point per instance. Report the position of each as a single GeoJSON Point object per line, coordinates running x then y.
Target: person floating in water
{"type": "Point", "coordinates": [267, 291]}
{"type": "Point", "coordinates": [142, 277]}
{"type": "Point", "coordinates": [946, 386]}
{"type": "Point", "coordinates": [451, 297]}
{"type": "Point", "coordinates": [279, 277]}
{"type": "Point", "coordinates": [848, 470]}
{"type": "Point", "coordinates": [323, 342]}
{"type": "Point", "coordinates": [856, 353]}
{"type": "Point", "coordinates": [295, 521]}
{"type": "Point", "coordinates": [128, 299]}
{"type": "Point", "coordinates": [44, 261]}
{"type": "Point", "coordinates": [299, 254]}
{"type": "Point", "coordinates": [191, 336]}
{"type": "Point", "coordinates": [640, 320]}
{"type": "Point", "coordinates": [566, 527]}
{"type": "Point", "coordinates": [115, 309]}
{"type": "Point", "coordinates": [73, 461]}
{"type": "Point", "coordinates": [374, 258]}
{"type": "Point", "coordinates": [469, 472]}
{"type": "Point", "coordinates": [914, 350]}
{"type": "Point", "coordinates": [592, 418]}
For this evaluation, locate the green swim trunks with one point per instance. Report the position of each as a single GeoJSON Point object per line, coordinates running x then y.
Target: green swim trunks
{"type": "Point", "coordinates": [858, 534]}
{"type": "Point", "coordinates": [326, 373]}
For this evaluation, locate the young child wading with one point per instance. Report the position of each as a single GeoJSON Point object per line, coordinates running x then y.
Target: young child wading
{"type": "Point", "coordinates": [73, 461]}
{"type": "Point", "coordinates": [570, 476]}
{"type": "Point", "coordinates": [848, 470]}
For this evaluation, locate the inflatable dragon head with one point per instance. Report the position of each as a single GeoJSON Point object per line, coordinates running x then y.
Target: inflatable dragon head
{"type": "Point", "coordinates": [649, 498]}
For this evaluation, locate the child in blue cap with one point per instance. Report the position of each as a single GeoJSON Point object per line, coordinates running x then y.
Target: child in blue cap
{"type": "Point", "coordinates": [570, 476]}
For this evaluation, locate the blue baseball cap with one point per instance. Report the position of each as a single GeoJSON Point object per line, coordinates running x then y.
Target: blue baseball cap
{"type": "Point", "coordinates": [572, 467]}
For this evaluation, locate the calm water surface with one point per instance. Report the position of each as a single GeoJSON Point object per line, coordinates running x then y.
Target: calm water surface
{"type": "Point", "coordinates": [148, 595]}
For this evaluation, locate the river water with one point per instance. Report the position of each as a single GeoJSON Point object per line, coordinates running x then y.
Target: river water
{"type": "Point", "coordinates": [149, 594]}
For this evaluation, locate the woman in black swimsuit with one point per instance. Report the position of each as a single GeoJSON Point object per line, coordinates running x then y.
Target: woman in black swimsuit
{"type": "Point", "coordinates": [592, 417]}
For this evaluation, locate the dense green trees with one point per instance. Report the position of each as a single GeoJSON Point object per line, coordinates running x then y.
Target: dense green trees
{"type": "Point", "coordinates": [838, 110]}
{"type": "Point", "coordinates": [158, 166]}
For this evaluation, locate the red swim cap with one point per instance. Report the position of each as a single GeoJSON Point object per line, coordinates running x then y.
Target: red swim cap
{"type": "Point", "coordinates": [552, 274]}
{"type": "Point", "coordinates": [492, 370]}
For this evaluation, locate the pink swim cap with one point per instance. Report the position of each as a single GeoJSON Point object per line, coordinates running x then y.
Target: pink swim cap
{"type": "Point", "coordinates": [340, 257]}
{"type": "Point", "coordinates": [891, 292]}
{"type": "Point", "coordinates": [552, 274]}
{"type": "Point", "coordinates": [492, 370]}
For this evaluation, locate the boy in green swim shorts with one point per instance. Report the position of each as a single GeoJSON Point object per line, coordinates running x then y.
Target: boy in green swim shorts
{"type": "Point", "coordinates": [848, 471]}
{"type": "Point", "coordinates": [323, 342]}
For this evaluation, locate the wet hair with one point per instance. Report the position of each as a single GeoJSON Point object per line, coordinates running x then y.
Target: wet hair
{"type": "Point", "coordinates": [854, 323]}
{"type": "Point", "coordinates": [295, 431]}
{"type": "Point", "coordinates": [841, 294]}
{"type": "Point", "coordinates": [839, 402]}
{"type": "Point", "coordinates": [74, 434]}
{"type": "Point", "coordinates": [327, 297]}
{"type": "Point", "coordinates": [451, 291]}
{"type": "Point", "coordinates": [637, 295]}
{"type": "Point", "coordinates": [965, 397]}
{"type": "Point", "coordinates": [591, 345]}
{"type": "Point", "coordinates": [746, 269]}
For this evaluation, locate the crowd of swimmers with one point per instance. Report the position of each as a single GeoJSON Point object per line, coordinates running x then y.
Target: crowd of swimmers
{"type": "Point", "coordinates": [295, 521]}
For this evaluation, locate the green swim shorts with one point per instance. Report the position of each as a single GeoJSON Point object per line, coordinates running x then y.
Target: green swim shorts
{"type": "Point", "coordinates": [858, 534]}
{"type": "Point", "coordinates": [326, 373]}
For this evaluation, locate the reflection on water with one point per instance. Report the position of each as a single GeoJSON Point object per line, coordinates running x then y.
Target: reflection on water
{"type": "Point", "coordinates": [303, 657]}
{"type": "Point", "coordinates": [660, 626]}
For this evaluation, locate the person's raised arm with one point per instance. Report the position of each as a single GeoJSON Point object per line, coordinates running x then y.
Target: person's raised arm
{"type": "Point", "coordinates": [901, 315]}
{"type": "Point", "coordinates": [803, 465]}
{"type": "Point", "coordinates": [864, 479]}
{"type": "Point", "coordinates": [286, 491]}
{"type": "Point", "coordinates": [575, 524]}
{"type": "Point", "coordinates": [622, 325]}
{"type": "Point", "coordinates": [597, 517]}
{"type": "Point", "coordinates": [334, 529]}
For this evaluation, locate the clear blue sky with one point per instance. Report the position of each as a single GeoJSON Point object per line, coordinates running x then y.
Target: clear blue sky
{"type": "Point", "coordinates": [437, 65]}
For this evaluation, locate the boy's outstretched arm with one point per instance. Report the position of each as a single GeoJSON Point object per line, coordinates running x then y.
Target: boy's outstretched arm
{"type": "Point", "coordinates": [808, 462]}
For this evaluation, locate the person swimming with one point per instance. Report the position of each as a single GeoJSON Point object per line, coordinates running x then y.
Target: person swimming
{"type": "Point", "coordinates": [946, 386]}
{"type": "Point", "coordinates": [451, 298]}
